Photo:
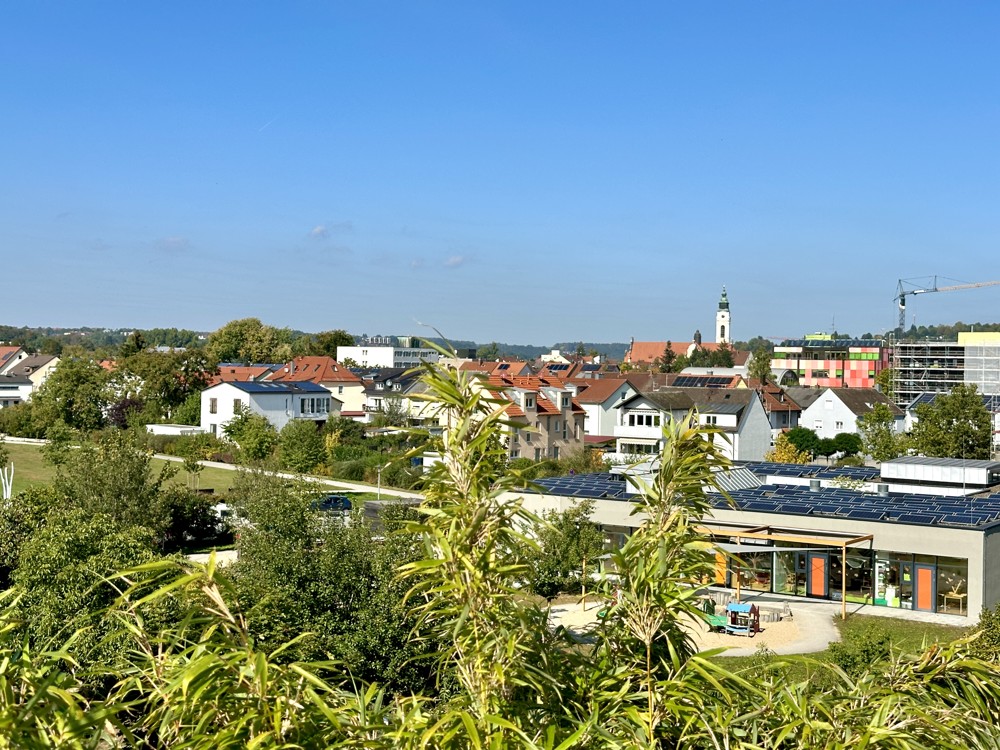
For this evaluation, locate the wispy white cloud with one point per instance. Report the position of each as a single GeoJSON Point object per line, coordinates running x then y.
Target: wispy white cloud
{"type": "Point", "coordinates": [327, 228]}
{"type": "Point", "coordinates": [454, 261]}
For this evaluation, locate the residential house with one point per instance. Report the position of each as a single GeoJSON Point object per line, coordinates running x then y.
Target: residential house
{"type": "Point", "coordinates": [600, 399]}
{"type": "Point", "coordinates": [745, 433]}
{"type": "Point", "coordinates": [9, 357]}
{"type": "Point", "coordinates": [37, 367]}
{"type": "Point", "coordinates": [515, 368]}
{"type": "Point", "coordinates": [233, 372]}
{"type": "Point", "coordinates": [830, 411]}
{"type": "Point", "coordinates": [279, 403]}
{"type": "Point", "coordinates": [782, 411]}
{"type": "Point", "coordinates": [14, 390]}
{"type": "Point", "coordinates": [343, 384]}
{"type": "Point", "coordinates": [387, 389]}
{"type": "Point", "coordinates": [547, 407]}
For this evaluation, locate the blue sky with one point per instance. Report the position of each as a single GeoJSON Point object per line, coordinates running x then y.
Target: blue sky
{"type": "Point", "coordinates": [523, 172]}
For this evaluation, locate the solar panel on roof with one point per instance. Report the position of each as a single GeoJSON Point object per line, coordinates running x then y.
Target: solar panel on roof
{"type": "Point", "coordinates": [866, 514]}
{"type": "Point", "coordinates": [917, 518]}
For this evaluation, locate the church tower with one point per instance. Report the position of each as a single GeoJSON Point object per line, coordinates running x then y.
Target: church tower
{"type": "Point", "coordinates": [723, 333]}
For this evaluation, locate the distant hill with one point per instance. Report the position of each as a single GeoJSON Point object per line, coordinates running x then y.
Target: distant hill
{"type": "Point", "coordinates": [530, 351]}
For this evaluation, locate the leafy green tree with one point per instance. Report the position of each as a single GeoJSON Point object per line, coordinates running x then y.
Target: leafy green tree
{"type": "Point", "coordinates": [248, 340]}
{"type": "Point", "coordinates": [804, 439]}
{"type": "Point", "coordinates": [327, 342]}
{"type": "Point", "coordinates": [19, 520]}
{"type": "Point", "coordinates": [785, 452]}
{"type": "Point", "coordinates": [134, 344]}
{"type": "Point", "coordinates": [956, 425]}
{"type": "Point", "coordinates": [884, 382]}
{"type": "Point", "coordinates": [391, 413]}
{"type": "Point", "coordinates": [301, 446]}
{"type": "Point", "coordinates": [296, 574]}
{"type": "Point", "coordinates": [188, 412]}
{"type": "Point", "coordinates": [489, 351]}
{"type": "Point", "coordinates": [59, 443]}
{"type": "Point", "coordinates": [665, 362]}
{"type": "Point", "coordinates": [848, 443]}
{"type": "Point", "coordinates": [74, 393]}
{"type": "Point", "coordinates": [163, 380]}
{"type": "Point", "coordinates": [760, 365]}
{"type": "Point", "coordinates": [115, 475]}
{"type": "Point", "coordinates": [722, 356]}
{"type": "Point", "coordinates": [566, 542]}
{"type": "Point", "coordinates": [255, 436]}
{"type": "Point", "coordinates": [878, 435]}
{"type": "Point", "coordinates": [61, 580]}
{"type": "Point", "coordinates": [826, 447]}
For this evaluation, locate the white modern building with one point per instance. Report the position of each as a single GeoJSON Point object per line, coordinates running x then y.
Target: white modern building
{"type": "Point", "coordinates": [369, 355]}
{"type": "Point", "coordinates": [279, 403]}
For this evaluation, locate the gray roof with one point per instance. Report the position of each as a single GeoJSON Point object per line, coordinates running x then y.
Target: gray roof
{"type": "Point", "coordinates": [859, 400]}
{"type": "Point", "coordinates": [956, 463]}
{"type": "Point", "coordinates": [277, 387]}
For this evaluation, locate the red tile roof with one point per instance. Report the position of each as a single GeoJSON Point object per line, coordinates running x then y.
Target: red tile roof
{"type": "Point", "coordinates": [6, 352]}
{"type": "Point", "coordinates": [239, 374]}
{"type": "Point", "coordinates": [315, 370]}
{"type": "Point", "coordinates": [649, 351]}
{"type": "Point", "coordinates": [596, 390]}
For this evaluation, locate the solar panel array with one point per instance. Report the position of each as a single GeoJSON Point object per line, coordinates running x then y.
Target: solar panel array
{"type": "Point", "coordinates": [703, 381]}
{"type": "Point", "coordinates": [768, 468]}
{"type": "Point", "coordinates": [908, 508]}
{"type": "Point", "coordinates": [990, 400]}
{"type": "Point", "coordinates": [896, 507]}
{"type": "Point", "coordinates": [832, 343]}
{"type": "Point", "coordinates": [593, 486]}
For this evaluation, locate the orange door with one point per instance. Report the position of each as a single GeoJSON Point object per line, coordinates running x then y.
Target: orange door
{"type": "Point", "coordinates": [720, 569]}
{"type": "Point", "coordinates": [817, 575]}
{"type": "Point", "coordinates": [924, 589]}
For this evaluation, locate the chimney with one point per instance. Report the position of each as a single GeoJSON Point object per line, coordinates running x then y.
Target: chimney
{"type": "Point", "coordinates": [883, 489]}
{"type": "Point", "coordinates": [814, 485]}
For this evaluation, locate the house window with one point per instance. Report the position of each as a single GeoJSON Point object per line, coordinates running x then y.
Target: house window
{"type": "Point", "coordinates": [565, 401]}
{"type": "Point", "coordinates": [213, 406]}
{"type": "Point", "coordinates": [529, 402]}
{"type": "Point", "coordinates": [340, 389]}
{"type": "Point", "coordinates": [555, 452]}
{"type": "Point", "coordinates": [712, 419]}
{"type": "Point", "coordinates": [538, 454]}
{"type": "Point", "coordinates": [839, 425]}
{"type": "Point", "coordinates": [237, 405]}
{"type": "Point", "coordinates": [556, 429]}
{"type": "Point", "coordinates": [527, 437]}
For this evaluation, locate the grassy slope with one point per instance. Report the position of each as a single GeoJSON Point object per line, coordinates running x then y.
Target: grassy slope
{"type": "Point", "coordinates": [30, 469]}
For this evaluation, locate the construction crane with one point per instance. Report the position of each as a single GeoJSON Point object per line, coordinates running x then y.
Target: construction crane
{"type": "Point", "coordinates": [902, 294]}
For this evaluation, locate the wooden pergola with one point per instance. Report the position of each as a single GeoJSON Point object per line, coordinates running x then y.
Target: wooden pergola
{"type": "Point", "coordinates": [765, 533]}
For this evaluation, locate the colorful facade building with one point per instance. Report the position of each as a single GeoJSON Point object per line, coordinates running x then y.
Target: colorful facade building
{"type": "Point", "coordinates": [826, 362]}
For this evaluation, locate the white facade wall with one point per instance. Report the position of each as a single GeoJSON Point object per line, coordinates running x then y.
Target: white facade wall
{"type": "Point", "coordinates": [14, 393]}
{"type": "Point", "coordinates": [602, 419]}
{"type": "Point", "coordinates": [278, 408]}
{"type": "Point", "coordinates": [386, 356]}
{"type": "Point", "coordinates": [828, 416]}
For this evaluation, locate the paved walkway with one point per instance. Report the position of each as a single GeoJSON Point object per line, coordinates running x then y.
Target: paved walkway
{"type": "Point", "coordinates": [812, 627]}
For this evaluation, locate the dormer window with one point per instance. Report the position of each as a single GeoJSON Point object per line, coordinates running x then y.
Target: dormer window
{"type": "Point", "coordinates": [529, 402]}
{"type": "Point", "coordinates": [565, 400]}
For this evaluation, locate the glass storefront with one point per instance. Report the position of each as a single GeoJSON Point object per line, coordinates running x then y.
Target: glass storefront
{"type": "Point", "coordinates": [886, 579]}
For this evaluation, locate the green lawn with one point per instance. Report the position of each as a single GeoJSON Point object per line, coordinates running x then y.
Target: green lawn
{"type": "Point", "coordinates": [30, 469]}
{"type": "Point", "coordinates": [906, 636]}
